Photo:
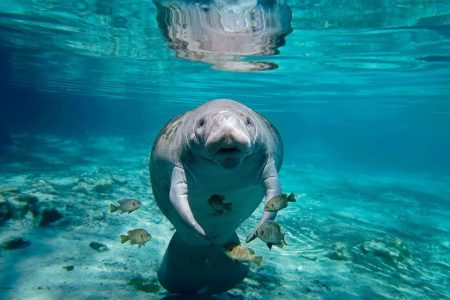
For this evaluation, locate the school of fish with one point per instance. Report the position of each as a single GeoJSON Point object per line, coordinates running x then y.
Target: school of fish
{"type": "Point", "coordinates": [137, 236]}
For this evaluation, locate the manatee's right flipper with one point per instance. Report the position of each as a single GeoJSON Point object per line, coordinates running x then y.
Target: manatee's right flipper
{"type": "Point", "coordinates": [178, 196]}
{"type": "Point", "coordinates": [188, 268]}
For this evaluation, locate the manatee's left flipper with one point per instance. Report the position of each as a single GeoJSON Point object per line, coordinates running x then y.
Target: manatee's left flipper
{"type": "Point", "coordinates": [178, 196]}
{"type": "Point", "coordinates": [273, 188]}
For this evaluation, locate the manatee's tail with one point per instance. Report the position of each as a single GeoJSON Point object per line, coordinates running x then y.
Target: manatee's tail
{"type": "Point", "coordinates": [113, 208]}
{"type": "Point", "coordinates": [191, 268]}
{"type": "Point", "coordinates": [291, 198]}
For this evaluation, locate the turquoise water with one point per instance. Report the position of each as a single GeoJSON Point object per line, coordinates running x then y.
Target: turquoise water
{"type": "Point", "coordinates": [360, 95]}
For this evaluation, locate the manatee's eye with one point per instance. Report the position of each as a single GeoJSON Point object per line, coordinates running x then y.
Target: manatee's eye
{"type": "Point", "coordinates": [248, 122]}
{"type": "Point", "coordinates": [201, 122]}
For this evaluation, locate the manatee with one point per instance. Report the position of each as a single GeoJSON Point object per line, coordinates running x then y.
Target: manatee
{"type": "Point", "coordinates": [220, 149]}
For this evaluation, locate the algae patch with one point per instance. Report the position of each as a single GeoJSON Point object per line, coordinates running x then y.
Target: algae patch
{"type": "Point", "coordinates": [147, 286]}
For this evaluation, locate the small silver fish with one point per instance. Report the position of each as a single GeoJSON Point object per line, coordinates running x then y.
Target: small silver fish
{"type": "Point", "coordinates": [136, 236]}
{"type": "Point", "coordinates": [279, 202]}
{"type": "Point", "coordinates": [241, 253]}
{"type": "Point", "coordinates": [270, 233]}
{"type": "Point", "coordinates": [217, 204]}
{"type": "Point", "coordinates": [125, 205]}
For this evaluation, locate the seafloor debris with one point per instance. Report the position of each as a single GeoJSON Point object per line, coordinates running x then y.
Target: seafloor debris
{"type": "Point", "coordinates": [8, 189]}
{"type": "Point", "coordinates": [148, 286]}
{"type": "Point", "coordinates": [18, 206]}
{"type": "Point", "coordinates": [24, 203]}
{"type": "Point", "coordinates": [99, 247]}
{"type": "Point", "coordinates": [49, 216]}
{"type": "Point", "coordinates": [391, 251]}
{"type": "Point", "coordinates": [68, 268]}
{"type": "Point", "coordinates": [82, 187]}
{"type": "Point", "coordinates": [90, 182]}
{"type": "Point", "coordinates": [5, 210]}
{"type": "Point", "coordinates": [103, 185]}
{"type": "Point", "coordinates": [16, 243]}
{"type": "Point", "coordinates": [120, 180]}
{"type": "Point", "coordinates": [45, 187]}
{"type": "Point", "coordinates": [339, 251]}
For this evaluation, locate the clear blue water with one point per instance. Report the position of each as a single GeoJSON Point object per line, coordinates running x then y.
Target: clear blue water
{"type": "Point", "coordinates": [361, 97]}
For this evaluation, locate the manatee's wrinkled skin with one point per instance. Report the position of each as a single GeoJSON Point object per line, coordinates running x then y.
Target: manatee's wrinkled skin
{"type": "Point", "coordinates": [221, 31]}
{"type": "Point", "coordinates": [224, 149]}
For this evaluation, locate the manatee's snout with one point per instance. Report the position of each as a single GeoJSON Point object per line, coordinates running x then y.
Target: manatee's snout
{"type": "Point", "coordinates": [228, 140]}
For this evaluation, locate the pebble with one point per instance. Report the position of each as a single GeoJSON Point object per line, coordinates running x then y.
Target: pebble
{"type": "Point", "coordinates": [16, 243]}
{"type": "Point", "coordinates": [45, 187]}
{"type": "Point", "coordinates": [103, 185]}
{"type": "Point", "coordinates": [8, 189]}
{"type": "Point", "coordinates": [391, 251]}
{"type": "Point", "coordinates": [5, 210]}
{"type": "Point", "coordinates": [22, 204]}
{"type": "Point", "coordinates": [49, 216]}
{"type": "Point", "coordinates": [82, 187]}
{"type": "Point", "coordinates": [121, 180]}
{"type": "Point", "coordinates": [99, 247]}
{"type": "Point", "coordinates": [339, 252]}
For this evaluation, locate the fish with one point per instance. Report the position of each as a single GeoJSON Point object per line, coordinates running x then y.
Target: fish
{"type": "Point", "coordinates": [136, 236]}
{"type": "Point", "coordinates": [125, 205]}
{"type": "Point", "coordinates": [217, 204]}
{"type": "Point", "coordinates": [279, 202]}
{"type": "Point", "coordinates": [242, 253]}
{"type": "Point", "coordinates": [270, 233]}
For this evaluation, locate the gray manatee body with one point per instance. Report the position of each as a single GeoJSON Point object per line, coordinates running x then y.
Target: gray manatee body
{"type": "Point", "coordinates": [225, 149]}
